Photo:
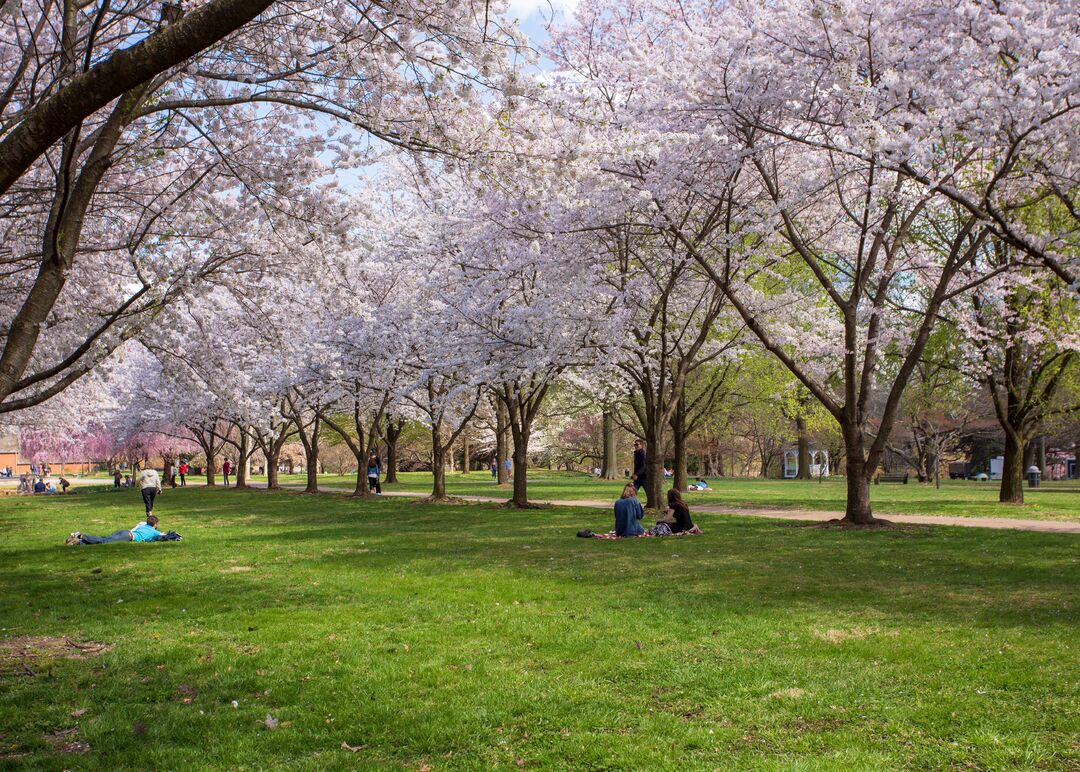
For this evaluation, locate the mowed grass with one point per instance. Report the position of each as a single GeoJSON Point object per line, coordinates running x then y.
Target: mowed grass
{"type": "Point", "coordinates": [960, 498]}
{"type": "Point", "coordinates": [472, 637]}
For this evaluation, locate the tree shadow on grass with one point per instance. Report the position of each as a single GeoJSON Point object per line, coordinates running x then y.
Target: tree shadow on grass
{"type": "Point", "coordinates": [994, 578]}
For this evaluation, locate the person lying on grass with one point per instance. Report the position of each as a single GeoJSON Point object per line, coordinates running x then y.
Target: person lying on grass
{"type": "Point", "coordinates": [628, 514]}
{"type": "Point", "coordinates": [142, 532]}
{"type": "Point", "coordinates": [677, 516]}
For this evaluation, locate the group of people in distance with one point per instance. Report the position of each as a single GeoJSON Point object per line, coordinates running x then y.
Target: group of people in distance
{"type": "Point", "coordinates": [629, 512]}
{"type": "Point", "coordinates": [28, 484]}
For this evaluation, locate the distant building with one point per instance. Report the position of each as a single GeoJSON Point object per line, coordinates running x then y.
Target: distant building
{"type": "Point", "coordinates": [819, 463]}
{"type": "Point", "coordinates": [11, 455]}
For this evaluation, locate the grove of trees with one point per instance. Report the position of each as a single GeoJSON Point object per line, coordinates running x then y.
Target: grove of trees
{"type": "Point", "coordinates": [227, 227]}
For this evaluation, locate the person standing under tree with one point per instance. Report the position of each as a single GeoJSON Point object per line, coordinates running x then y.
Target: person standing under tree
{"type": "Point", "coordinates": [374, 467]}
{"type": "Point", "coordinates": [150, 484]}
{"type": "Point", "coordinates": [225, 469]}
{"type": "Point", "coordinates": [640, 474]}
{"type": "Point", "coordinates": [183, 473]}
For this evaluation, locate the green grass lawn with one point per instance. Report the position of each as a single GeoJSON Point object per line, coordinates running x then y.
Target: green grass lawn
{"type": "Point", "coordinates": [964, 498]}
{"type": "Point", "coordinates": [469, 637]}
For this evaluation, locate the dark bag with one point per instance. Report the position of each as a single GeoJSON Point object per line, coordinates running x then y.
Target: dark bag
{"type": "Point", "coordinates": [585, 533]}
{"type": "Point", "coordinates": [170, 536]}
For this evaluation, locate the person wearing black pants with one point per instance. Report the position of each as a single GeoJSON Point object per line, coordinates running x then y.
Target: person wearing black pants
{"type": "Point", "coordinates": [150, 485]}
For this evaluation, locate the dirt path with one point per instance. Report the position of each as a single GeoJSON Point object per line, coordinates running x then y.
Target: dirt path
{"type": "Point", "coordinates": [804, 515]}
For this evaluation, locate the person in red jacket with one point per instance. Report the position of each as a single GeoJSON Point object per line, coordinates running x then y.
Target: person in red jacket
{"type": "Point", "coordinates": [183, 473]}
{"type": "Point", "coordinates": [225, 469]}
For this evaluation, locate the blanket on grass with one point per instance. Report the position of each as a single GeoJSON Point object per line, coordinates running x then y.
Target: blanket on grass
{"type": "Point", "coordinates": [647, 535]}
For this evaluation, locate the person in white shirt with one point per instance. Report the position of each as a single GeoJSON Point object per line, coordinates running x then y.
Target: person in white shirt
{"type": "Point", "coordinates": [150, 485]}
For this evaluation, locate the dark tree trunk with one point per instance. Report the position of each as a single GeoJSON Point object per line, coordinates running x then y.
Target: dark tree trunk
{"type": "Point", "coordinates": [393, 431]}
{"type": "Point", "coordinates": [311, 456]}
{"type": "Point", "coordinates": [465, 455]}
{"type": "Point", "coordinates": [858, 510]}
{"type": "Point", "coordinates": [211, 471]}
{"type": "Point", "coordinates": [521, 470]}
{"type": "Point", "coordinates": [273, 459]}
{"type": "Point", "coordinates": [502, 426]}
{"type": "Point", "coordinates": [1012, 470]}
{"type": "Point", "coordinates": [1040, 457]}
{"type": "Point", "coordinates": [804, 449]}
{"type": "Point", "coordinates": [608, 470]}
{"type": "Point", "coordinates": [678, 437]}
{"type": "Point", "coordinates": [438, 465]}
{"type": "Point", "coordinates": [654, 474]}
{"type": "Point", "coordinates": [243, 463]}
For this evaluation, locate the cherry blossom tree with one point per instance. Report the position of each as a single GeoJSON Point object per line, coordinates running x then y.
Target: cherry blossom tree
{"type": "Point", "coordinates": [135, 131]}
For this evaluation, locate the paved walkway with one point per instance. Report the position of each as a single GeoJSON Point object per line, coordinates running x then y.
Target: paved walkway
{"type": "Point", "coordinates": [803, 515]}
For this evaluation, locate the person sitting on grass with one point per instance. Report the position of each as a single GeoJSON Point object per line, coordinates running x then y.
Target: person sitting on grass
{"type": "Point", "coordinates": [628, 513]}
{"type": "Point", "coordinates": [142, 532]}
{"type": "Point", "coordinates": [39, 486]}
{"type": "Point", "coordinates": [64, 484]}
{"type": "Point", "coordinates": [677, 516]}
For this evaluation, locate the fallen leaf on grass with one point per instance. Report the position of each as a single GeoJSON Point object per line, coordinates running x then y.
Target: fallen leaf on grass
{"type": "Point", "coordinates": [352, 748]}
{"type": "Point", "coordinates": [79, 712]}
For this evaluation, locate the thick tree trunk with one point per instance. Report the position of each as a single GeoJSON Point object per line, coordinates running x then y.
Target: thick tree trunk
{"type": "Point", "coordinates": [654, 474]}
{"type": "Point", "coordinates": [804, 449]}
{"type": "Point", "coordinates": [1040, 457]}
{"type": "Point", "coordinates": [858, 510]}
{"type": "Point", "coordinates": [393, 431]}
{"type": "Point", "coordinates": [608, 469]}
{"type": "Point", "coordinates": [211, 471]}
{"type": "Point", "coordinates": [311, 456]}
{"type": "Point", "coordinates": [1012, 470]}
{"type": "Point", "coordinates": [361, 479]}
{"type": "Point", "coordinates": [272, 462]}
{"type": "Point", "coordinates": [521, 471]}
{"type": "Point", "coordinates": [678, 436]}
{"type": "Point", "coordinates": [465, 455]}
{"type": "Point", "coordinates": [502, 426]}
{"type": "Point", "coordinates": [243, 463]}
{"type": "Point", "coordinates": [438, 466]}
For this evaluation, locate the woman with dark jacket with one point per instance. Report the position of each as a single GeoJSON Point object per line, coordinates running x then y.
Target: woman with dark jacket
{"type": "Point", "coordinates": [678, 514]}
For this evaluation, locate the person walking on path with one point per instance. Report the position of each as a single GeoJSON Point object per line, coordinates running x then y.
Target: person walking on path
{"type": "Point", "coordinates": [150, 484]}
{"type": "Point", "coordinates": [142, 532]}
{"type": "Point", "coordinates": [628, 514]}
{"type": "Point", "coordinates": [225, 469]}
{"type": "Point", "coordinates": [183, 473]}
{"type": "Point", "coordinates": [374, 467]}
{"type": "Point", "coordinates": [640, 474]}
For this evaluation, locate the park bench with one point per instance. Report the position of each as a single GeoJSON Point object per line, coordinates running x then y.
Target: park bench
{"type": "Point", "coordinates": [891, 478]}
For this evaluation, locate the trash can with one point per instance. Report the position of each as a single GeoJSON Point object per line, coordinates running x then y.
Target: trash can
{"type": "Point", "coordinates": [1033, 475]}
